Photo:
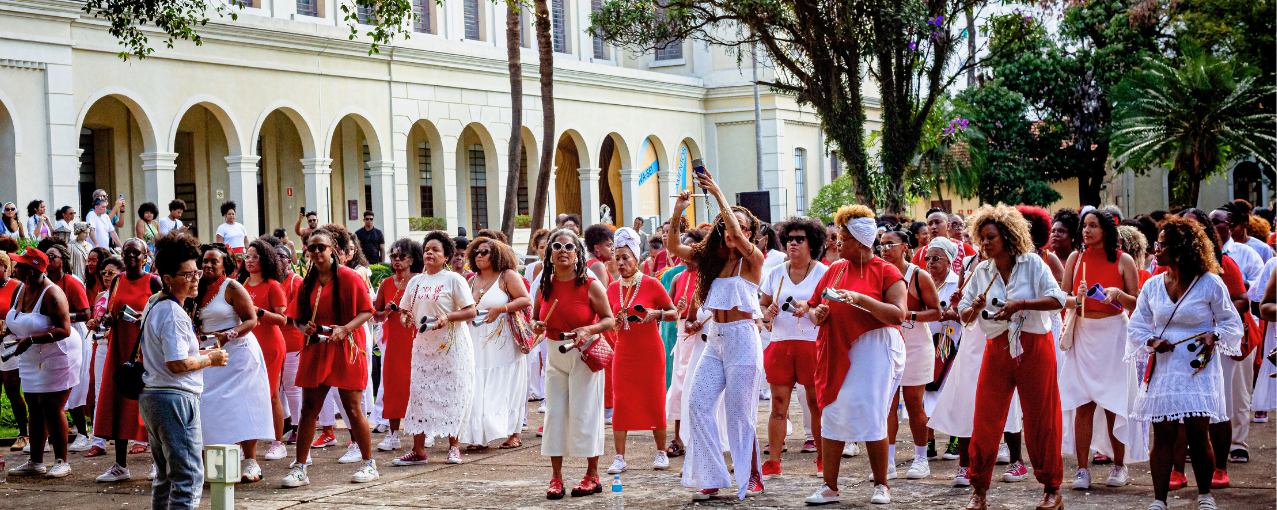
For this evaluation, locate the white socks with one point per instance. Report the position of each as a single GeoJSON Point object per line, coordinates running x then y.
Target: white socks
{"type": "Point", "coordinates": [920, 451]}
{"type": "Point", "coordinates": [891, 453]}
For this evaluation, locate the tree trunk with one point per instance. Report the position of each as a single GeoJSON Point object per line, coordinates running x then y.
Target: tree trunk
{"type": "Point", "coordinates": [516, 119]}
{"type": "Point", "coordinates": [546, 70]}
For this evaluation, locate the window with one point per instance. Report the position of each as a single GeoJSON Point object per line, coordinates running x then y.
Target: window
{"type": "Point", "coordinates": [800, 191]}
{"type": "Point", "coordinates": [471, 12]}
{"type": "Point", "coordinates": [367, 177]}
{"type": "Point", "coordinates": [835, 166]}
{"type": "Point", "coordinates": [363, 14]}
{"type": "Point", "coordinates": [424, 179]}
{"type": "Point", "coordinates": [249, 3]}
{"type": "Point", "coordinates": [673, 49]}
{"type": "Point", "coordinates": [422, 9]}
{"type": "Point", "coordinates": [558, 24]}
{"type": "Point", "coordinates": [478, 188]}
{"type": "Point", "coordinates": [599, 51]}
{"type": "Point", "coordinates": [523, 29]}
{"type": "Point", "coordinates": [88, 171]}
{"type": "Point", "coordinates": [308, 7]}
{"type": "Point", "coordinates": [523, 183]}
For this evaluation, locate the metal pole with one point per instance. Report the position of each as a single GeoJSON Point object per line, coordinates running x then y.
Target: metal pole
{"type": "Point", "coordinates": [758, 119]}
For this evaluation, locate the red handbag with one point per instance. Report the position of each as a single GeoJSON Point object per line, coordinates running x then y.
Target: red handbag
{"type": "Point", "coordinates": [598, 355]}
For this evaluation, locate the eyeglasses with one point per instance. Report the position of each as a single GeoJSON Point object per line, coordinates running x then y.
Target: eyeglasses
{"type": "Point", "coordinates": [794, 239]}
{"type": "Point", "coordinates": [192, 276]}
{"type": "Point", "coordinates": [399, 256]}
{"type": "Point", "coordinates": [557, 246]}
{"type": "Point", "coordinates": [316, 248]}
{"type": "Point", "coordinates": [482, 253]}
{"type": "Point", "coordinates": [110, 273]}
{"type": "Point", "coordinates": [933, 258]}
{"type": "Point", "coordinates": [888, 246]}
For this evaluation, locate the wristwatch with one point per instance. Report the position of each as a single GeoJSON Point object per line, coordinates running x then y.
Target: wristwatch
{"type": "Point", "coordinates": [261, 312]}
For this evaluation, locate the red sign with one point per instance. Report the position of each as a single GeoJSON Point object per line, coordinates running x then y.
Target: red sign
{"type": "Point", "coordinates": [290, 191]}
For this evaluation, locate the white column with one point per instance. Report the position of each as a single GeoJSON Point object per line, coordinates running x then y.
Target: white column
{"type": "Point", "coordinates": [317, 175]}
{"type": "Point", "coordinates": [157, 171]}
{"type": "Point", "coordinates": [243, 184]}
{"type": "Point", "coordinates": [667, 184]}
{"type": "Point", "coordinates": [629, 198]}
{"type": "Point", "coordinates": [383, 196]}
{"type": "Point", "coordinates": [589, 196]}
{"type": "Point", "coordinates": [64, 152]}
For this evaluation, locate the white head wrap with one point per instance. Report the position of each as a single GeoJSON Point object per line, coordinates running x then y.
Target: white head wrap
{"type": "Point", "coordinates": [628, 238]}
{"type": "Point", "coordinates": [946, 245]}
{"type": "Point", "coordinates": [864, 230]}
{"type": "Point", "coordinates": [1086, 209]}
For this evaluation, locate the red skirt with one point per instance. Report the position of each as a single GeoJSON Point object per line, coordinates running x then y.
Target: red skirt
{"type": "Point", "coordinates": [329, 364]}
{"type": "Point", "coordinates": [396, 367]}
{"type": "Point", "coordinates": [273, 353]}
{"type": "Point", "coordinates": [117, 417]}
{"type": "Point", "coordinates": [639, 371]}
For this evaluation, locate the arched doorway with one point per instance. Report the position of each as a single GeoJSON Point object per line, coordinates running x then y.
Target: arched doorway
{"type": "Point", "coordinates": [684, 176]}
{"type": "Point", "coordinates": [202, 140]}
{"type": "Point", "coordinates": [353, 148]}
{"type": "Point", "coordinates": [567, 179]}
{"type": "Point", "coordinates": [1253, 183]}
{"type": "Point", "coordinates": [426, 196]}
{"type": "Point", "coordinates": [9, 157]}
{"type": "Point", "coordinates": [283, 140]}
{"type": "Point", "coordinates": [478, 199]}
{"type": "Point", "coordinates": [114, 133]}
{"type": "Point", "coordinates": [614, 156]}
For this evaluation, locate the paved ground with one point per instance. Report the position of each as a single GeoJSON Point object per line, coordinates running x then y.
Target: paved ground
{"type": "Point", "coordinates": [518, 478]}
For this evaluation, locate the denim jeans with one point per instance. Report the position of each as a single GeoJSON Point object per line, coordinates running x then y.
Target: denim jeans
{"type": "Point", "coordinates": [172, 420]}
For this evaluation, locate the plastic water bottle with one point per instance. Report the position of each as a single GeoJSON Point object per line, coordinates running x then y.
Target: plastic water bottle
{"type": "Point", "coordinates": [618, 499]}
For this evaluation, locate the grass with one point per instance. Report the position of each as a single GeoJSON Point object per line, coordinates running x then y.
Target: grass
{"type": "Point", "coordinates": [7, 426]}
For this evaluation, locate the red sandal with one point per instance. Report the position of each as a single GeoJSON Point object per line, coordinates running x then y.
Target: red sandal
{"type": "Point", "coordinates": [589, 485]}
{"type": "Point", "coordinates": [556, 489]}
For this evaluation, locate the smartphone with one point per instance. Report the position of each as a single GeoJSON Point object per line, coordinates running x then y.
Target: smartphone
{"type": "Point", "coordinates": [698, 166]}
{"type": "Point", "coordinates": [121, 196]}
{"type": "Point", "coordinates": [303, 210]}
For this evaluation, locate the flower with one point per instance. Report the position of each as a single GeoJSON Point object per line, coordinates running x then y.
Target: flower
{"type": "Point", "coordinates": [913, 45]}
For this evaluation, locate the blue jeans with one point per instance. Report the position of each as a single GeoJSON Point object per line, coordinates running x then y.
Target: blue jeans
{"type": "Point", "coordinates": [172, 420]}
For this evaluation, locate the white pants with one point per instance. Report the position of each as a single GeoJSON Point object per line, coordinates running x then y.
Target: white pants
{"type": "Point", "coordinates": [730, 368]}
{"type": "Point", "coordinates": [290, 394]}
{"type": "Point", "coordinates": [573, 406]}
{"type": "Point", "coordinates": [1242, 374]}
{"type": "Point", "coordinates": [802, 400]}
{"type": "Point", "coordinates": [536, 371]}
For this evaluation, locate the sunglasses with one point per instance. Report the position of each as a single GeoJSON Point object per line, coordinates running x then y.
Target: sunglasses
{"type": "Point", "coordinates": [557, 246]}
{"type": "Point", "coordinates": [399, 256]}
{"type": "Point", "coordinates": [110, 273]}
{"type": "Point", "coordinates": [794, 239]}
{"type": "Point", "coordinates": [482, 253]}
{"type": "Point", "coordinates": [316, 248]}
{"type": "Point", "coordinates": [933, 258]}
{"type": "Point", "coordinates": [368, 218]}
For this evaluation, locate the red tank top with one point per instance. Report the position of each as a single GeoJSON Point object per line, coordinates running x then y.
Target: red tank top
{"type": "Point", "coordinates": [1098, 270]}
{"type": "Point", "coordinates": [914, 304]}
{"type": "Point", "coordinates": [590, 264]}
{"type": "Point", "coordinates": [572, 311]}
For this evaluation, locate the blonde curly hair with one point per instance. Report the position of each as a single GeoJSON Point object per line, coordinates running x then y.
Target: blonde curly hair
{"type": "Point", "coordinates": [847, 213]}
{"type": "Point", "coordinates": [1259, 228]}
{"type": "Point", "coordinates": [1009, 222]}
{"type": "Point", "coordinates": [1133, 243]}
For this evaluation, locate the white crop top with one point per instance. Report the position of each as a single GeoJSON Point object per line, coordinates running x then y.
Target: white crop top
{"type": "Point", "coordinates": [733, 292]}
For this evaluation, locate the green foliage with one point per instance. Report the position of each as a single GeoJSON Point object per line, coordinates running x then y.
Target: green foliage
{"type": "Point", "coordinates": [1021, 155]}
{"type": "Point", "coordinates": [523, 221]}
{"type": "Point", "coordinates": [380, 271]}
{"type": "Point", "coordinates": [1197, 117]}
{"type": "Point", "coordinates": [427, 224]}
{"type": "Point", "coordinates": [831, 196]}
{"type": "Point", "coordinates": [951, 152]}
{"type": "Point", "coordinates": [181, 19]}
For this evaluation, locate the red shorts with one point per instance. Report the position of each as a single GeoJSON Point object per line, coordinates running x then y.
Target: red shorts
{"type": "Point", "coordinates": [791, 361]}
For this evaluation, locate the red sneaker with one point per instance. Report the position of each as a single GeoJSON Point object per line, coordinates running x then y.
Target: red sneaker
{"type": "Point", "coordinates": [589, 485]}
{"type": "Point", "coordinates": [820, 466]}
{"type": "Point", "coordinates": [325, 439]}
{"type": "Point", "coordinates": [809, 446]}
{"type": "Point", "coordinates": [756, 485]}
{"type": "Point", "coordinates": [1220, 480]}
{"type": "Point", "coordinates": [1178, 480]}
{"type": "Point", "coordinates": [540, 431]}
{"type": "Point", "coordinates": [771, 468]}
{"type": "Point", "coordinates": [704, 494]}
{"type": "Point", "coordinates": [94, 451]}
{"type": "Point", "coordinates": [556, 489]}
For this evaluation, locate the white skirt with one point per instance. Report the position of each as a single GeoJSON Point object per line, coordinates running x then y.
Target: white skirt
{"type": "Point", "coordinates": [1094, 370]}
{"type": "Point", "coordinates": [80, 392]}
{"type": "Point", "coordinates": [860, 411]}
{"type": "Point", "coordinates": [235, 405]}
{"type": "Point", "coordinates": [442, 384]}
{"type": "Point", "coordinates": [920, 355]}
{"type": "Point", "coordinates": [50, 368]}
{"type": "Point", "coordinates": [500, 385]}
{"type": "Point", "coordinates": [954, 413]}
{"type": "Point", "coordinates": [1265, 396]}
{"type": "Point", "coordinates": [573, 405]}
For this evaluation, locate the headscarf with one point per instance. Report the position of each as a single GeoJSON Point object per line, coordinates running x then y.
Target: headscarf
{"type": "Point", "coordinates": [864, 230]}
{"type": "Point", "coordinates": [626, 237]}
{"type": "Point", "coordinates": [945, 245]}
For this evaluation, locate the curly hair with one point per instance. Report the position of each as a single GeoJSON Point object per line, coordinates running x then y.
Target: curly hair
{"type": "Point", "coordinates": [171, 251]}
{"type": "Point", "coordinates": [228, 206]}
{"type": "Point", "coordinates": [449, 246]}
{"type": "Point", "coordinates": [1072, 222]}
{"type": "Point", "coordinates": [500, 256]}
{"type": "Point", "coordinates": [148, 207]}
{"type": "Point", "coordinates": [1258, 228]}
{"type": "Point", "coordinates": [1133, 242]}
{"type": "Point", "coordinates": [547, 276]}
{"type": "Point", "coordinates": [595, 234]}
{"type": "Point", "coordinates": [1011, 225]}
{"type": "Point", "coordinates": [812, 227]}
{"type": "Point", "coordinates": [1212, 235]}
{"type": "Point", "coordinates": [491, 234]}
{"type": "Point", "coordinates": [1039, 223]}
{"type": "Point", "coordinates": [413, 250]}
{"type": "Point", "coordinates": [267, 260]}
{"type": "Point", "coordinates": [847, 213]}
{"type": "Point", "coordinates": [50, 243]}
{"type": "Point", "coordinates": [708, 254]}
{"type": "Point", "coordinates": [1189, 247]}
{"type": "Point", "coordinates": [1109, 227]}
{"type": "Point", "coordinates": [33, 206]}
{"type": "Point", "coordinates": [536, 237]}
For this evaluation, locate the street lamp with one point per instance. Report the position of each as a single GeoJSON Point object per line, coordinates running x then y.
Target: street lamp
{"type": "Point", "coordinates": [221, 471]}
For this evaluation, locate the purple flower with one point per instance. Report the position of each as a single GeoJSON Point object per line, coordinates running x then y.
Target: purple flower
{"type": "Point", "coordinates": [935, 35]}
{"type": "Point", "coordinates": [998, 123]}
{"type": "Point", "coordinates": [913, 45]}
{"type": "Point", "coordinates": [939, 20]}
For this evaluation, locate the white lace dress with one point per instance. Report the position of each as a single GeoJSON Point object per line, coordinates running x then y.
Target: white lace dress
{"type": "Point", "coordinates": [1176, 390]}
{"type": "Point", "coordinates": [501, 376]}
{"type": "Point", "coordinates": [442, 360]}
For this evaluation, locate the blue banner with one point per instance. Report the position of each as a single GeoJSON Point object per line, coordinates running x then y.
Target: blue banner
{"type": "Point", "coordinates": [682, 167]}
{"type": "Point", "coordinates": [649, 172]}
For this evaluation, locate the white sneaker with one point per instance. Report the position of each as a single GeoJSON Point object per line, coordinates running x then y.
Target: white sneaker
{"type": "Point", "coordinates": [277, 451]}
{"type": "Point", "coordinates": [380, 429]}
{"type": "Point", "coordinates": [662, 461]}
{"type": "Point", "coordinates": [1082, 479]}
{"type": "Point", "coordinates": [1004, 454]}
{"type": "Point", "coordinates": [366, 473]}
{"type": "Point", "coordinates": [251, 472]}
{"type": "Point", "coordinates": [454, 455]}
{"type": "Point", "coordinates": [29, 468]}
{"type": "Point", "coordinates": [390, 442]}
{"type": "Point", "coordinates": [116, 473]}
{"type": "Point", "coordinates": [921, 468]}
{"type": "Point", "coordinates": [296, 476]}
{"type": "Point", "coordinates": [153, 473]}
{"type": "Point", "coordinates": [618, 466]}
{"type": "Point", "coordinates": [882, 495]}
{"type": "Point", "coordinates": [1118, 476]}
{"type": "Point", "coordinates": [1157, 505]}
{"type": "Point", "coordinates": [962, 478]}
{"type": "Point", "coordinates": [352, 454]}
{"type": "Point", "coordinates": [27, 448]}
{"type": "Point", "coordinates": [1206, 502]}
{"type": "Point", "coordinates": [891, 470]}
{"type": "Point", "coordinates": [822, 496]}
{"type": "Point", "coordinates": [541, 408]}
{"type": "Point", "coordinates": [850, 450]}
{"type": "Point", "coordinates": [81, 443]}
{"type": "Point", "coordinates": [59, 469]}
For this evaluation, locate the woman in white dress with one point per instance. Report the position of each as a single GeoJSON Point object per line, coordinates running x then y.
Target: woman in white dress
{"type": "Point", "coordinates": [236, 404]}
{"type": "Point", "coordinates": [1187, 300]}
{"type": "Point", "coordinates": [536, 358]}
{"type": "Point", "coordinates": [442, 356]}
{"type": "Point", "coordinates": [500, 366]}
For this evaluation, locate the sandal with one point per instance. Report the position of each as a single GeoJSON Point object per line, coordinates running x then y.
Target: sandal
{"type": "Point", "coordinates": [589, 485]}
{"type": "Point", "coordinates": [511, 444]}
{"type": "Point", "coordinates": [675, 450]}
{"type": "Point", "coordinates": [138, 448]}
{"type": "Point", "coordinates": [556, 489]}
{"type": "Point", "coordinates": [476, 447]}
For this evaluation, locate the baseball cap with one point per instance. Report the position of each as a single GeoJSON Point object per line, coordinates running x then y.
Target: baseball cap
{"type": "Point", "coordinates": [34, 258]}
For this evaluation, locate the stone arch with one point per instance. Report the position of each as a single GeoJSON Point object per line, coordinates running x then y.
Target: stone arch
{"type": "Point", "coordinates": [283, 139]}
{"type": "Point", "coordinates": [650, 189]}
{"type": "Point", "coordinates": [141, 113]}
{"type": "Point", "coordinates": [351, 167]}
{"type": "Point", "coordinates": [219, 110]}
{"type": "Point", "coordinates": [529, 165]}
{"type": "Point", "coordinates": [682, 172]}
{"type": "Point", "coordinates": [569, 152]}
{"type": "Point", "coordinates": [478, 197]}
{"type": "Point", "coordinates": [121, 150]}
{"type": "Point", "coordinates": [299, 120]}
{"type": "Point", "coordinates": [614, 159]}
{"type": "Point", "coordinates": [14, 125]}
{"type": "Point", "coordinates": [361, 118]}
{"type": "Point", "coordinates": [425, 153]}
{"type": "Point", "coordinates": [10, 149]}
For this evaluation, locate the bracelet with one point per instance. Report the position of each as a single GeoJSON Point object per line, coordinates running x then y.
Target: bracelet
{"type": "Point", "coordinates": [232, 334]}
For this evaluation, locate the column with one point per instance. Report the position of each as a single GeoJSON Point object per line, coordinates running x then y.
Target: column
{"type": "Point", "coordinates": [157, 171]}
{"type": "Point", "coordinates": [589, 196]}
{"type": "Point", "coordinates": [382, 174]}
{"type": "Point", "coordinates": [629, 198]}
{"type": "Point", "coordinates": [667, 183]}
{"type": "Point", "coordinates": [243, 174]}
{"type": "Point", "coordinates": [316, 173]}
{"type": "Point", "coordinates": [64, 152]}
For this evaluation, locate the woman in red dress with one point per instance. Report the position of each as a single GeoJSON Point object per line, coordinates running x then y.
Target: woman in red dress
{"type": "Point", "coordinates": [640, 353]}
{"type": "Point", "coordinates": [261, 275]}
{"type": "Point", "coordinates": [601, 250]}
{"type": "Point", "coordinates": [117, 417]}
{"type": "Point", "coordinates": [330, 311]}
{"type": "Point", "coordinates": [396, 364]}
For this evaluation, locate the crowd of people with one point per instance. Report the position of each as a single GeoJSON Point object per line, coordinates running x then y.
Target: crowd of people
{"type": "Point", "coordinates": [1134, 340]}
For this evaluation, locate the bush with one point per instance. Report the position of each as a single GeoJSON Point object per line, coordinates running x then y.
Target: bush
{"type": "Point", "coordinates": [523, 221]}
{"type": "Point", "coordinates": [427, 224]}
{"type": "Point", "coordinates": [380, 271]}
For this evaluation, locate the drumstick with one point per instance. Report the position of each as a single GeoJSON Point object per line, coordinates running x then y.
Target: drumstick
{"type": "Point", "coordinates": [982, 294]}
{"type": "Point", "coordinates": [696, 195]}
{"type": "Point", "coordinates": [1194, 337]}
{"type": "Point", "coordinates": [548, 314]}
{"type": "Point", "coordinates": [1081, 314]}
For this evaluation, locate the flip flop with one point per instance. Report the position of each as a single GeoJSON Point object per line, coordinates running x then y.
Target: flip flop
{"type": "Point", "coordinates": [476, 447]}
{"type": "Point", "coordinates": [511, 445]}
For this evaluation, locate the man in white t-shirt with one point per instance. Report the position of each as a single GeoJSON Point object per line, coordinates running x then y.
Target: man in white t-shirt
{"type": "Point", "coordinates": [174, 220]}
{"type": "Point", "coordinates": [231, 233]}
{"type": "Point", "coordinates": [103, 232]}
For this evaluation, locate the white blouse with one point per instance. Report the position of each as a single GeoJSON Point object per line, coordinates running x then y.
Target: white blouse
{"type": "Point", "coordinates": [1030, 278]}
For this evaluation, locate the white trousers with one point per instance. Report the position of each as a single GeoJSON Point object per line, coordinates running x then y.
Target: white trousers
{"type": "Point", "coordinates": [730, 368]}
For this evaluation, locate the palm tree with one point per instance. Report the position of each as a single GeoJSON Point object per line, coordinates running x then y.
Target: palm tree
{"type": "Point", "coordinates": [1197, 118]}
{"type": "Point", "coordinates": [512, 35]}
{"type": "Point", "coordinates": [545, 49]}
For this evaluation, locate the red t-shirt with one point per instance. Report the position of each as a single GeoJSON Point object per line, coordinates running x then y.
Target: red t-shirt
{"type": "Point", "coordinates": [293, 341]}
{"type": "Point", "coordinates": [268, 296]}
{"type": "Point", "coordinates": [71, 285]}
{"type": "Point", "coordinates": [650, 294]}
{"type": "Point", "coordinates": [354, 300]}
{"type": "Point", "coordinates": [685, 288]}
{"type": "Point", "coordinates": [834, 340]}
{"type": "Point", "coordinates": [6, 294]}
